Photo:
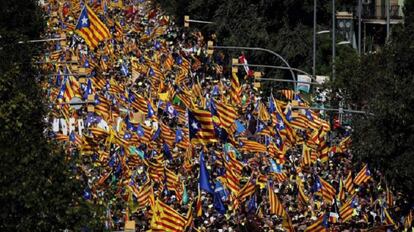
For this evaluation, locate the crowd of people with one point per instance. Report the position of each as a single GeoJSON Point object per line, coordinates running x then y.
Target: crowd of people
{"type": "Point", "coordinates": [174, 140]}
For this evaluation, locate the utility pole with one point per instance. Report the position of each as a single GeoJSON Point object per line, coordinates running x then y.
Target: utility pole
{"type": "Point", "coordinates": [314, 39]}
{"type": "Point", "coordinates": [333, 39]}
{"type": "Point", "coordinates": [359, 25]}
{"type": "Point", "coordinates": [387, 12]}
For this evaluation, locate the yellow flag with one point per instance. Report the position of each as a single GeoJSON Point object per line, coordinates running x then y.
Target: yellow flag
{"type": "Point", "coordinates": [163, 96]}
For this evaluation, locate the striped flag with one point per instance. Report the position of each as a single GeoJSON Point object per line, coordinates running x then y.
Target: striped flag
{"type": "Point", "coordinates": [263, 114]}
{"type": "Point", "coordinates": [167, 134]}
{"type": "Point", "coordinates": [408, 220]}
{"type": "Point", "coordinates": [226, 113]}
{"type": "Point", "coordinates": [253, 146]}
{"type": "Point", "coordinates": [389, 198]}
{"type": "Point", "coordinates": [166, 218]}
{"type": "Point", "coordinates": [69, 89]}
{"type": "Point", "coordinates": [231, 179]}
{"type": "Point", "coordinates": [306, 155]}
{"type": "Point", "coordinates": [201, 127]}
{"type": "Point", "coordinates": [288, 93]}
{"type": "Point", "coordinates": [363, 176]}
{"type": "Point", "coordinates": [388, 218]}
{"type": "Point", "coordinates": [173, 183]}
{"type": "Point", "coordinates": [328, 192]}
{"type": "Point", "coordinates": [279, 177]}
{"type": "Point", "coordinates": [303, 199]}
{"type": "Point", "coordinates": [248, 189]}
{"type": "Point", "coordinates": [319, 225]}
{"type": "Point", "coordinates": [144, 195]}
{"type": "Point", "coordinates": [346, 210]}
{"type": "Point", "coordinates": [199, 205]}
{"type": "Point", "coordinates": [91, 28]}
{"type": "Point", "coordinates": [276, 206]}
{"type": "Point", "coordinates": [235, 89]}
{"type": "Point", "coordinates": [341, 191]}
{"type": "Point", "coordinates": [349, 185]}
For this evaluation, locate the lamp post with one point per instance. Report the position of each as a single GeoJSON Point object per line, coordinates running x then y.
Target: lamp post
{"type": "Point", "coordinates": [333, 39]}
{"type": "Point", "coordinates": [211, 46]}
{"type": "Point", "coordinates": [41, 40]}
{"type": "Point", "coordinates": [359, 25]}
{"type": "Point", "coordinates": [314, 48]}
{"type": "Point", "coordinates": [187, 21]}
{"type": "Point", "coordinates": [343, 43]}
{"type": "Point", "coordinates": [277, 67]}
{"type": "Point", "coordinates": [314, 39]}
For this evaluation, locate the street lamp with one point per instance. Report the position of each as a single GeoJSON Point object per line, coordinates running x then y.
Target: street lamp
{"type": "Point", "coordinates": [210, 48]}
{"type": "Point", "coordinates": [343, 43]}
{"type": "Point", "coordinates": [41, 40]}
{"type": "Point", "coordinates": [277, 67]}
{"type": "Point", "coordinates": [187, 21]}
{"type": "Point", "coordinates": [323, 32]}
{"type": "Point", "coordinates": [314, 49]}
{"type": "Point", "coordinates": [314, 39]}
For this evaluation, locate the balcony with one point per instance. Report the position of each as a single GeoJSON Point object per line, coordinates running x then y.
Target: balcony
{"type": "Point", "coordinates": [378, 11]}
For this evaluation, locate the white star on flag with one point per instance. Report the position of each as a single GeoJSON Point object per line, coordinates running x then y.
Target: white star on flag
{"type": "Point", "coordinates": [84, 20]}
{"type": "Point", "coordinates": [280, 124]}
{"type": "Point", "coordinates": [194, 125]}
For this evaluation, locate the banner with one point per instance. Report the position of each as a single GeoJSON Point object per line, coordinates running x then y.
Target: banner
{"type": "Point", "coordinates": [304, 87]}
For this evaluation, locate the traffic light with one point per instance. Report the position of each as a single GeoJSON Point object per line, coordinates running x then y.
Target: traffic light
{"type": "Point", "coordinates": [91, 107]}
{"type": "Point", "coordinates": [210, 48]}
{"type": "Point", "coordinates": [234, 61]}
{"type": "Point", "coordinates": [186, 21]}
{"type": "Point", "coordinates": [257, 75]}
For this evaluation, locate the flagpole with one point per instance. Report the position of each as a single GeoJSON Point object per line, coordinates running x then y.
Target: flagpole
{"type": "Point", "coordinates": [41, 40]}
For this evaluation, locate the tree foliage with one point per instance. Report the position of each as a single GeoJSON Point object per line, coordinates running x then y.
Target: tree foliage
{"type": "Point", "coordinates": [39, 189]}
{"type": "Point", "coordinates": [285, 27]}
{"type": "Point", "coordinates": [382, 84]}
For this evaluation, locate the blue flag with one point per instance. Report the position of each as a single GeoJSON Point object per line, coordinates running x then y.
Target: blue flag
{"type": "Point", "coordinates": [213, 108]}
{"type": "Point", "coordinates": [167, 152]}
{"type": "Point", "coordinates": [215, 91]}
{"type": "Point", "coordinates": [171, 110]}
{"type": "Point", "coordinates": [178, 135]}
{"type": "Point", "coordinates": [151, 72]}
{"type": "Point", "coordinates": [239, 127]}
{"type": "Point", "coordinates": [218, 204]}
{"type": "Point", "coordinates": [317, 186]}
{"type": "Point", "coordinates": [204, 180]}
{"type": "Point", "coordinates": [260, 126]}
{"type": "Point", "coordinates": [88, 89]}
{"type": "Point", "coordinates": [274, 167]}
{"type": "Point", "coordinates": [157, 45]}
{"type": "Point", "coordinates": [151, 111]}
{"type": "Point", "coordinates": [127, 136]}
{"type": "Point", "coordinates": [124, 69]}
{"type": "Point", "coordinates": [156, 134]}
{"type": "Point", "coordinates": [272, 107]}
{"type": "Point", "coordinates": [220, 133]}
{"type": "Point", "coordinates": [87, 194]}
{"type": "Point", "coordinates": [140, 131]}
{"type": "Point", "coordinates": [252, 204]}
{"type": "Point", "coordinates": [58, 79]}
{"type": "Point", "coordinates": [193, 125]}
{"type": "Point", "coordinates": [221, 191]}
{"type": "Point", "coordinates": [72, 136]}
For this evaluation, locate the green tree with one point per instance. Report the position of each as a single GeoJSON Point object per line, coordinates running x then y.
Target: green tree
{"type": "Point", "coordinates": [382, 84]}
{"type": "Point", "coordinates": [282, 26]}
{"type": "Point", "coordinates": [40, 190]}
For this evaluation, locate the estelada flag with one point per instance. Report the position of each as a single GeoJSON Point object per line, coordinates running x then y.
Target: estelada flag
{"type": "Point", "coordinates": [91, 28]}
